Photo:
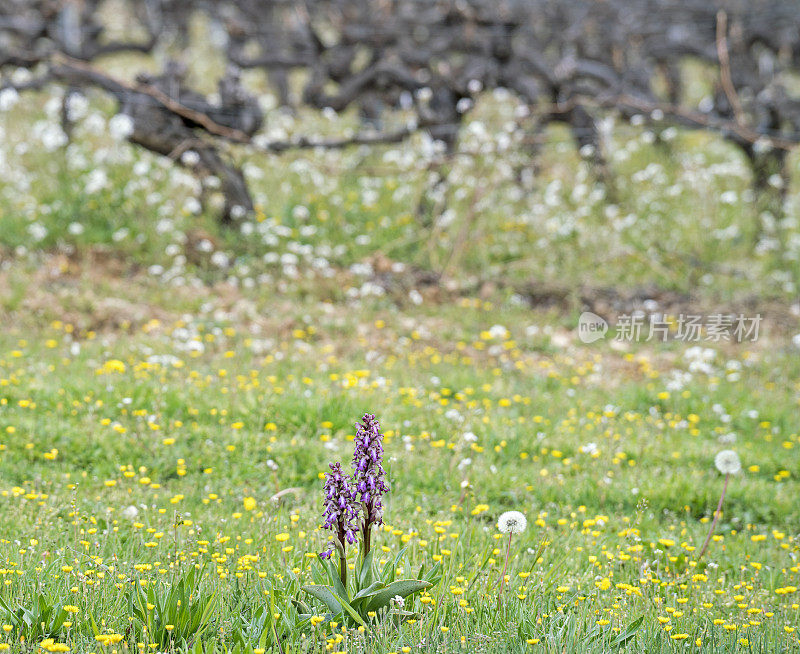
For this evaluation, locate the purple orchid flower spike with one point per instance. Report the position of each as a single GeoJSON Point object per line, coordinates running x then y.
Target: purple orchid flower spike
{"type": "Point", "coordinates": [340, 516]}
{"type": "Point", "coordinates": [369, 475]}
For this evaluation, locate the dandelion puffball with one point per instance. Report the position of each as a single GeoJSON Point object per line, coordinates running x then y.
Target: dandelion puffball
{"type": "Point", "coordinates": [130, 512]}
{"type": "Point", "coordinates": [512, 522]}
{"type": "Point", "coordinates": [727, 462]}
{"type": "Point", "coordinates": [121, 126]}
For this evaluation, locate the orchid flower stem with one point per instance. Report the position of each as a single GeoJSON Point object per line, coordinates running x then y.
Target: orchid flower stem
{"type": "Point", "coordinates": [717, 513]}
{"type": "Point", "coordinates": [505, 568]}
{"type": "Point", "coordinates": [367, 533]}
{"type": "Point", "coordinates": [343, 569]}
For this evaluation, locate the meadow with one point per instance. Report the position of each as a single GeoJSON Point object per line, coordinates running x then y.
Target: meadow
{"type": "Point", "coordinates": [172, 392]}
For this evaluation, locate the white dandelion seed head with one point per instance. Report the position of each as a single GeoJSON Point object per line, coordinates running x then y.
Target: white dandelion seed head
{"type": "Point", "coordinates": [190, 158]}
{"type": "Point", "coordinates": [130, 512]}
{"type": "Point", "coordinates": [8, 98]}
{"type": "Point", "coordinates": [512, 522]}
{"type": "Point", "coordinates": [727, 462]}
{"type": "Point", "coordinates": [37, 231]}
{"type": "Point", "coordinates": [121, 126]}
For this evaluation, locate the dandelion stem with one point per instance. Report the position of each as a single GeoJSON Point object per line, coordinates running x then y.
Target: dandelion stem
{"type": "Point", "coordinates": [505, 568]}
{"type": "Point", "coordinates": [716, 517]}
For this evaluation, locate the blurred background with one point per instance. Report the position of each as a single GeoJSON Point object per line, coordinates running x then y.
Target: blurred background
{"type": "Point", "coordinates": [615, 156]}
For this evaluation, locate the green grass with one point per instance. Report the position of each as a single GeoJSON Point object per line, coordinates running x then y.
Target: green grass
{"type": "Point", "coordinates": [148, 387]}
